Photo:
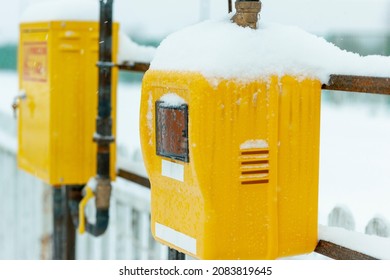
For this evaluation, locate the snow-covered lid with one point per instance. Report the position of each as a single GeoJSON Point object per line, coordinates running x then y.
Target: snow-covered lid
{"type": "Point", "coordinates": [221, 49]}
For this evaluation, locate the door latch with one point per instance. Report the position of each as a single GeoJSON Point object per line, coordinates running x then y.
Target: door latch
{"type": "Point", "coordinates": [15, 104]}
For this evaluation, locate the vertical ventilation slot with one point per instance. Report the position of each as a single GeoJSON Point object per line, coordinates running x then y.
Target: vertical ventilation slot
{"type": "Point", "coordinates": [254, 166]}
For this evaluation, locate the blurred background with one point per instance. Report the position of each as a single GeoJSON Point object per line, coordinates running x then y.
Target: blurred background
{"type": "Point", "coordinates": [355, 128]}
{"type": "Point", "coordinates": [360, 26]}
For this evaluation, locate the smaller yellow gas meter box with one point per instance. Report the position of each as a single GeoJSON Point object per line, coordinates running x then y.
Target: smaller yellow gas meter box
{"type": "Point", "coordinates": [58, 81]}
{"type": "Point", "coordinates": [233, 165]}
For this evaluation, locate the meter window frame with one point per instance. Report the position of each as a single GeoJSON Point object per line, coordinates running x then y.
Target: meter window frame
{"type": "Point", "coordinates": [170, 128]}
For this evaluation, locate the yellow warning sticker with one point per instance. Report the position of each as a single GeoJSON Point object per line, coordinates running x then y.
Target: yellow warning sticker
{"type": "Point", "coordinates": [35, 61]}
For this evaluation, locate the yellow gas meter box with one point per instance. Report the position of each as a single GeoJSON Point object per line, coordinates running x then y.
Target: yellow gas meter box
{"type": "Point", "coordinates": [233, 165]}
{"type": "Point", "coordinates": [58, 80]}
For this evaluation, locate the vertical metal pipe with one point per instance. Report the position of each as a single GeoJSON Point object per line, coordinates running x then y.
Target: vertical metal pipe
{"type": "Point", "coordinates": [103, 135]}
{"type": "Point", "coordinates": [58, 218]}
{"type": "Point", "coordinates": [74, 196]}
{"type": "Point", "coordinates": [70, 230]}
{"type": "Point", "coordinates": [175, 255]}
{"type": "Point", "coordinates": [64, 233]}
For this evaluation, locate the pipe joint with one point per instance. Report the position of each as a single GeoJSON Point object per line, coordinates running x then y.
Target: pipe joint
{"type": "Point", "coordinates": [105, 64]}
{"type": "Point", "coordinates": [103, 131]}
{"type": "Point", "coordinates": [103, 193]}
{"type": "Point", "coordinates": [247, 13]}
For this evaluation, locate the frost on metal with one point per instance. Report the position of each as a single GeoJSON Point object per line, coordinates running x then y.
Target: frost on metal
{"type": "Point", "coordinates": [149, 118]}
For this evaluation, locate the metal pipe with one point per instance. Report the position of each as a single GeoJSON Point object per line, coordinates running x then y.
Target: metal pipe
{"type": "Point", "coordinates": [103, 135]}
{"type": "Point", "coordinates": [136, 67]}
{"type": "Point", "coordinates": [74, 196]}
{"type": "Point", "coordinates": [378, 85]}
{"type": "Point", "coordinates": [338, 252]}
{"type": "Point", "coordinates": [175, 255]}
{"type": "Point", "coordinates": [247, 13]}
{"type": "Point", "coordinates": [64, 233]}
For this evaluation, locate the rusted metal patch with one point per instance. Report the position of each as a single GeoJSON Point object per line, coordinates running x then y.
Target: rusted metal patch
{"type": "Point", "coordinates": [363, 84]}
{"type": "Point", "coordinates": [135, 67]}
{"type": "Point", "coordinates": [338, 252]}
{"type": "Point", "coordinates": [172, 131]}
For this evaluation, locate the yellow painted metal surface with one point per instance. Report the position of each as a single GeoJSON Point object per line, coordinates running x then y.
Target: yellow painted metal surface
{"type": "Point", "coordinates": [249, 190]}
{"type": "Point", "coordinates": [83, 203]}
{"type": "Point", "coordinates": [56, 122]}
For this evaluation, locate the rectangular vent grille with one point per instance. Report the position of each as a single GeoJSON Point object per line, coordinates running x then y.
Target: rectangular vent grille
{"type": "Point", "coordinates": [254, 167]}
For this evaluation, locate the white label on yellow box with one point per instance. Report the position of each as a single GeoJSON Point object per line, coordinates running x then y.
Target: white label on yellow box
{"type": "Point", "coordinates": [172, 170]}
{"type": "Point", "coordinates": [176, 238]}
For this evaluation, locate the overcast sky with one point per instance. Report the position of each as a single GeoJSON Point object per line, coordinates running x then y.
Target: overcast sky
{"type": "Point", "coordinates": [157, 18]}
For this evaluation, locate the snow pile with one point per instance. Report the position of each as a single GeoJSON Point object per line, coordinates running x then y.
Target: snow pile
{"type": "Point", "coordinates": [172, 100]}
{"type": "Point", "coordinates": [224, 50]}
{"type": "Point", "coordinates": [130, 51]}
{"type": "Point", "coordinates": [87, 10]}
